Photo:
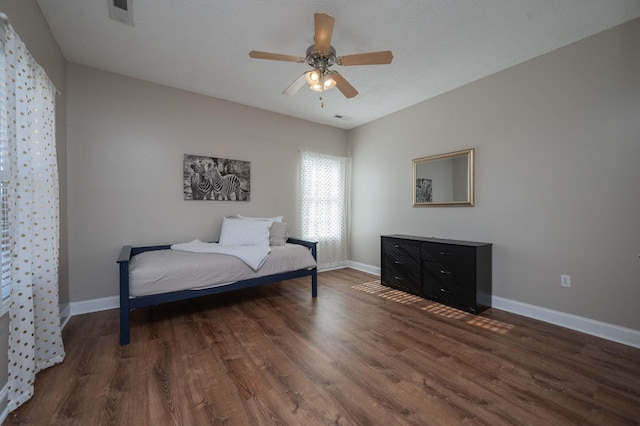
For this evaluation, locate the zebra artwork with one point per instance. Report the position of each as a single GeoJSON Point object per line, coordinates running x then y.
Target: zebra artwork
{"type": "Point", "coordinates": [210, 178]}
{"type": "Point", "coordinates": [201, 187]}
{"type": "Point", "coordinates": [227, 187]}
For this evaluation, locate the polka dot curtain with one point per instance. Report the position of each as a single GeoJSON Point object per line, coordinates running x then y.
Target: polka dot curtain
{"type": "Point", "coordinates": [35, 340]}
{"type": "Point", "coordinates": [322, 212]}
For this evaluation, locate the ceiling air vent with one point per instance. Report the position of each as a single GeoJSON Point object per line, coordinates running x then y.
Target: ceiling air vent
{"type": "Point", "coordinates": [121, 11]}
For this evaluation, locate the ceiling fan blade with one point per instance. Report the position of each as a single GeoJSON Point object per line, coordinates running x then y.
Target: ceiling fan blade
{"type": "Point", "coordinates": [372, 58]}
{"type": "Point", "coordinates": [324, 29]}
{"type": "Point", "coordinates": [343, 85]}
{"type": "Point", "coordinates": [276, 57]}
{"type": "Point", "coordinates": [296, 85]}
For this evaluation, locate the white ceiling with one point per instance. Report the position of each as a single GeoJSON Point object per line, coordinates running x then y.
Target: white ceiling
{"type": "Point", "coordinates": [202, 45]}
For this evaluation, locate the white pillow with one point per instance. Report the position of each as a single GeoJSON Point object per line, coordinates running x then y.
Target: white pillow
{"type": "Point", "coordinates": [244, 232]}
{"type": "Point", "coordinates": [278, 234]}
{"type": "Point", "coordinates": [272, 219]}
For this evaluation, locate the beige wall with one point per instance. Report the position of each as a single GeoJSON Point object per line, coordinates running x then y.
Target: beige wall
{"type": "Point", "coordinates": [27, 20]}
{"type": "Point", "coordinates": [557, 144]}
{"type": "Point", "coordinates": [127, 138]}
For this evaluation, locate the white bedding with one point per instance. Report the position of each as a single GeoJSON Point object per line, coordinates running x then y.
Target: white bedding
{"type": "Point", "coordinates": [163, 271]}
{"type": "Point", "coordinates": [254, 255]}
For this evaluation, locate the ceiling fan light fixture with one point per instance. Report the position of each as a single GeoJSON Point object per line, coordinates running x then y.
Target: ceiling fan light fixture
{"type": "Point", "coordinates": [314, 76]}
{"type": "Point", "coordinates": [321, 81]}
{"type": "Point", "coordinates": [329, 82]}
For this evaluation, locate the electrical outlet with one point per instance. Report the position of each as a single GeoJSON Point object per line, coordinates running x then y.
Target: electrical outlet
{"type": "Point", "coordinates": [565, 281]}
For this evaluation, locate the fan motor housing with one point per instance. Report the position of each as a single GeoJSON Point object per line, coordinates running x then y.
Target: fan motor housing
{"type": "Point", "coordinates": [321, 60]}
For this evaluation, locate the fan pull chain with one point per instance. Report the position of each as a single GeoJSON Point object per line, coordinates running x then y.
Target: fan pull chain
{"type": "Point", "coordinates": [321, 102]}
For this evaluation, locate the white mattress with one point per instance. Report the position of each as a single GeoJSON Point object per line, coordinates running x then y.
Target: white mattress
{"type": "Point", "coordinates": [164, 271]}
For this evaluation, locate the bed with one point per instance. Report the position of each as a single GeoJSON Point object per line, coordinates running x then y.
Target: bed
{"type": "Point", "coordinates": [154, 275]}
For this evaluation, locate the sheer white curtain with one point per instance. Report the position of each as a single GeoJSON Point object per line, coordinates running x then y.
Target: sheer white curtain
{"type": "Point", "coordinates": [30, 165]}
{"type": "Point", "coordinates": [322, 212]}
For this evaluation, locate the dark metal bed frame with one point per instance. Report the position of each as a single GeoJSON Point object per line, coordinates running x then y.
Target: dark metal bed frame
{"type": "Point", "coordinates": [129, 303]}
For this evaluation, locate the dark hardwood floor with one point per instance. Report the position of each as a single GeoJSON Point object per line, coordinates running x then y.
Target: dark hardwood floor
{"type": "Point", "coordinates": [359, 354]}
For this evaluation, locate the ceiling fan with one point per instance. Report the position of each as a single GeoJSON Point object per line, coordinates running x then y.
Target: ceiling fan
{"type": "Point", "coordinates": [322, 56]}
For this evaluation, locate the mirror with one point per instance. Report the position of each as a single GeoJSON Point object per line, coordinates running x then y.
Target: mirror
{"type": "Point", "coordinates": [444, 180]}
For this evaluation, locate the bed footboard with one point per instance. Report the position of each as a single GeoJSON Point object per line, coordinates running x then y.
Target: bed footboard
{"type": "Point", "coordinates": [128, 303]}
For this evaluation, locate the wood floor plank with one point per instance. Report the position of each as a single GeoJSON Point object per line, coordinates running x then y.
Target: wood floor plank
{"type": "Point", "coordinates": [360, 353]}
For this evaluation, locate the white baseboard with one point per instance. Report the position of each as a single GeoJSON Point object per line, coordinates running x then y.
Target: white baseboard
{"type": "Point", "coordinates": [615, 333]}
{"type": "Point", "coordinates": [334, 268]}
{"type": "Point", "coordinates": [95, 305]}
{"type": "Point", "coordinates": [364, 267]}
{"type": "Point", "coordinates": [596, 328]}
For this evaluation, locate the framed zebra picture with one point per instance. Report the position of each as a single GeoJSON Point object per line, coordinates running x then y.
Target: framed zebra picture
{"type": "Point", "coordinates": [424, 191]}
{"type": "Point", "coordinates": [211, 178]}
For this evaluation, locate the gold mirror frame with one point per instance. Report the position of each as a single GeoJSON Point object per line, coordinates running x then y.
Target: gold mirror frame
{"type": "Point", "coordinates": [440, 180]}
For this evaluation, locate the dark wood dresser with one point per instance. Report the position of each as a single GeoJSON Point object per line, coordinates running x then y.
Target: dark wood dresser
{"type": "Point", "coordinates": [456, 273]}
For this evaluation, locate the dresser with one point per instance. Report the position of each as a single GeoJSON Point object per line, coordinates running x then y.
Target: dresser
{"type": "Point", "coordinates": [455, 273]}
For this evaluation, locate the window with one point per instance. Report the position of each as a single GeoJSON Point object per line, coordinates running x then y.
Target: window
{"type": "Point", "coordinates": [5, 242]}
{"type": "Point", "coordinates": [5, 230]}
{"type": "Point", "coordinates": [323, 206]}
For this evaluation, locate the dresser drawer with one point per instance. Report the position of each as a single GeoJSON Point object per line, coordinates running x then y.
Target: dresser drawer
{"type": "Point", "coordinates": [402, 274]}
{"type": "Point", "coordinates": [447, 253]}
{"type": "Point", "coordinates": [445, 272]}
{"type": "Point", "coordinates": [447, 287]}
{"type": "Point", "coordinates": [402, 266]}
{"type": "Point", "coordinates": [397, 248]}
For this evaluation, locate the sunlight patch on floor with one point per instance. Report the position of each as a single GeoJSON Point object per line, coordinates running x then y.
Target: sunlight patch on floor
{"type": "Point", "coordinates": [490, 324]}
{"type": "Point", "coordinates": [372, 287]}
{"type": "Point", "coordinates": [398, 296]}
{"type": "Point", "coordinates": [445, 311]}
{"type": "Point", "coordinates": [401, 297]}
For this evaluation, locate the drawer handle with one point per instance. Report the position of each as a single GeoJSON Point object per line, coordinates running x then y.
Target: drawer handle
{"type": "Point", "coordinates": [396, 246]}
{"type": "Point", "coordinates": [445, 272]}
{"type": "Point", "coordinates": [443, 253]}
{"type": "Point", "coordinates": [398, 263]}
{"type": "Point", "coordinates": [398, 278]}
{"type": "Point", "coordinates": [445, 291]}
